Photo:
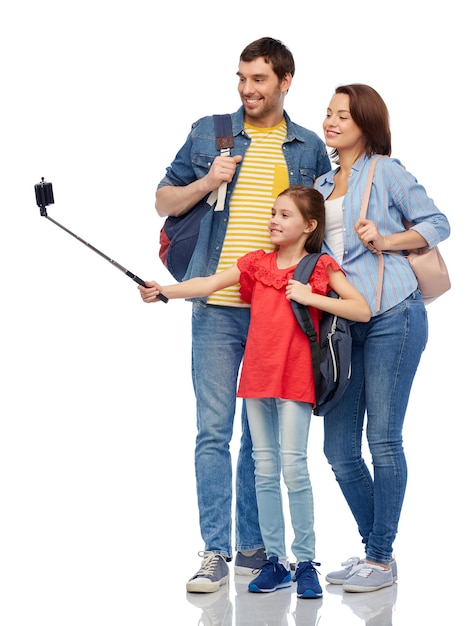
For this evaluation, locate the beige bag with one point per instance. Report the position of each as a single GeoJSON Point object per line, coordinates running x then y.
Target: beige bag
{"type": "Point", "coordinates": [427, 263]}
{"type": "Point", "coordinates": [430, 271]}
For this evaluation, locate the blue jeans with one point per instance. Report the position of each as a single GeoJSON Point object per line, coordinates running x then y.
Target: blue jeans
{"type": "Point", "coordinates": [386, 352]}
{"type": "Point", "coordinates": [218, 341]}
{"type": "Point", "coordinates": [279, 431]}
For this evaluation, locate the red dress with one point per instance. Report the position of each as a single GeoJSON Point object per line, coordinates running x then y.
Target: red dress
{"type": "Point", "coordinates": [277, 358]}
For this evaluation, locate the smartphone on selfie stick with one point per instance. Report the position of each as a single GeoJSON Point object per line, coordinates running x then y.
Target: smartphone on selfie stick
{"type": "Point", "coordinates": [45, 197]}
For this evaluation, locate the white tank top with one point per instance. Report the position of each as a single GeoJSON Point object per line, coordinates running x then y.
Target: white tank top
{"type": "Point", "coordinates": [334, 227]}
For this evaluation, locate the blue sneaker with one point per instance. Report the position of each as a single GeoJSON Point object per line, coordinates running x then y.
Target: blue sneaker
{"type": "Point", "coordinates": [272, 576]}
{"type": "Point", "coordinates": [306, 576]}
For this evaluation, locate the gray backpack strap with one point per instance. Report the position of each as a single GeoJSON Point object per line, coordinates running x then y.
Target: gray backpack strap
{"type": "Point", "coordinates": [224, 143]}
{"type": "Point", "coordinates": [302, 273]}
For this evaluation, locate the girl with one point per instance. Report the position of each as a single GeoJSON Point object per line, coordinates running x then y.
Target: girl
{"type": "Point", "coordinates": [276, 378]}
{"type": "Point", "coordinates": [386, 350]}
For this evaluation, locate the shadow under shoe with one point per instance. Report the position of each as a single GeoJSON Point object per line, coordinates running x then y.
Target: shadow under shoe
{"type": "Point", "coordinates": [306, 613]}
{"type": "Point", "coordinates": [217, 609]}
{"type": "Point", "coordinates": [261, 609]}
{"type": "Point", "coordinates": [375, 609]}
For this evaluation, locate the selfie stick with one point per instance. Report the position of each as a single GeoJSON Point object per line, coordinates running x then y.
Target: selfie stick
{"type": "Point", "coordinates": [45, 197]}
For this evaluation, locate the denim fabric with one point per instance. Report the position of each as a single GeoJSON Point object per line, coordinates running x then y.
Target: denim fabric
{"type": "Point", "coordinates": [279, 430]}
{"type": "Point", "coordinates": [395, 195]}
{"type": "Point", "coordinates": [218, 339]}
{"type": "Point", "coordinates": [386, 352]}
{"type": "Point", "coordinates": [304, 152]}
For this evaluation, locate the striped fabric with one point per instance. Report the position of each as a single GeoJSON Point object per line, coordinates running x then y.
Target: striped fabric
{"type": "Point", "coordinates": [262, 177]}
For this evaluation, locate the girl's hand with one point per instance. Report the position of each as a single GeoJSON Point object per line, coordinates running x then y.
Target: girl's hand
{"type": "Point", "coordinates": [150, 292]}
{"type": "Point", "coordinates": [368, 235]}
{"type": "Point", "coordinates": [299, 292]}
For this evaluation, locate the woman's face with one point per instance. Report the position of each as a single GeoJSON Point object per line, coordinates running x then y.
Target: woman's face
{"type": "Point", "coordinates": [340, 130]}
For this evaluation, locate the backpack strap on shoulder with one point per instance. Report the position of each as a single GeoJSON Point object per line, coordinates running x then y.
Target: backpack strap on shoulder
{"type": "Point", "coordinates": [302, 273]}
{"type": "Point", "coordinates": [224, 143]}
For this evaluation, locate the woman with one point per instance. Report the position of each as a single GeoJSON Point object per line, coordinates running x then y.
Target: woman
{"type": "Point", "coordinates": [387, 349]}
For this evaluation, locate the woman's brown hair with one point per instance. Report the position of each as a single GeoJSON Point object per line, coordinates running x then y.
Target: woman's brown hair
{"type": "Point", "coordinates": [370, 113]}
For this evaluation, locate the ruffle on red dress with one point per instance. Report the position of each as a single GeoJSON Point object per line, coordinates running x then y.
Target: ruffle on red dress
{"type": "Point", "coordinates": [262, 266]}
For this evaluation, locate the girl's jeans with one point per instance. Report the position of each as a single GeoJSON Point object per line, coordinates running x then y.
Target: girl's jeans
{"type": "Point", "coordinates": [386, 352]}
{"type": "Point", "coordinates": [218, 341]}
{"type": "Point", "coordinates": [279, 431]}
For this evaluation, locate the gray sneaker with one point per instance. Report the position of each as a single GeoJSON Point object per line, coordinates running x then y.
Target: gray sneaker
{"type": "Point", "coordinates": [212, 574]}
{"type": "Point", "coordinates": [250, 565]}
{"type": "Point", "coordinates": [339, 577]}
{"type": "Point", "coordinates": [367, 577]}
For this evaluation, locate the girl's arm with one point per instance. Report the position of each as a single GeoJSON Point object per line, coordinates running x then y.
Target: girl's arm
{"type": "Point", "coordinates": [350, 304]}
{"type": "Point", "coordinates": [192, 288]}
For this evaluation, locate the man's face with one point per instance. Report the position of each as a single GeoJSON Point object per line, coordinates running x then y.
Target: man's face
{"type": "Point", "coordinates": [261, 92]}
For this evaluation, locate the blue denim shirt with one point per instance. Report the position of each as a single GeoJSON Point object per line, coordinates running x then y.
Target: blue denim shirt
{"type": "Point", "coordinates": [305, 154]}
{"type": "Point", "coordinates": [395, 194]}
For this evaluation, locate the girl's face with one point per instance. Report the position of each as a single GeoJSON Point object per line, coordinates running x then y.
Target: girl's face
{"type": "Point", "coordinates": [340, 130]}
{"type": "Point", "coordinates": [287, 225]}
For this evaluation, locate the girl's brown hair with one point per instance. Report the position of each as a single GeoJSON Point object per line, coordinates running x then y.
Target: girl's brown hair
{"type": "Point", "coordinates": [311, 205]}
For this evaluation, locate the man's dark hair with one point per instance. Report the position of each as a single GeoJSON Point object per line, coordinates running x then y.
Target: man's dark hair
{"type": "Point", "coordinates": [274, 52]}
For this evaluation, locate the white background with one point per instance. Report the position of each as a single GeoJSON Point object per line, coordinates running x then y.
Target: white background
{"type": "Point", "coordinates": [97, 489]}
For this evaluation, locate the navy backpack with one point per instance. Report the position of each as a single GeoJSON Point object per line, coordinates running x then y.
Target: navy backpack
{"type": "Point", "coordinates": [179, 234]}
{"type": "Point", "coordinates": [331, 351]}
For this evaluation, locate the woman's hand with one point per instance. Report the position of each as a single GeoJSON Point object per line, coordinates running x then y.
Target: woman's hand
{"type": "Point", "coordinates": [369, 236]}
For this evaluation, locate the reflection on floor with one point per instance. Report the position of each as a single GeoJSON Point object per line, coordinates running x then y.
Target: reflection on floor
{"type": "Point", "coordinates": [233, 605]}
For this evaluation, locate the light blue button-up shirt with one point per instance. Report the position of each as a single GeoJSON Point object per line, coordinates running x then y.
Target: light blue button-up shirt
{"type": "Point", "coordinates": [395, 195]}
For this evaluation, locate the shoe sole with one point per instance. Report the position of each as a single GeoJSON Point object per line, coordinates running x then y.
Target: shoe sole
{"type": "Point", "coordinates": [309, 595]}
{"type": "Point", "coordinates": [255, 589]}
{"type": "Point", "coordinates": [360, 588]}
{"type": "Point", "coordinates": [240, 570]}
{"type": "Point", "coordinates": [200, 587]}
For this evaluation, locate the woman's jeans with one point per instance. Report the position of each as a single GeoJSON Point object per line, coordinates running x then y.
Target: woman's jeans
{"type": "Point", "coordinates": [279, 431]}
{"type": "Point", "coordinates": [218, 341]}
{"type": "Point", "coordinates": [386, 352]}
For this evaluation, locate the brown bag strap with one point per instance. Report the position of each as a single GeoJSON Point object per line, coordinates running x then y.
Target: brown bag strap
{"type": "Point", "coordinates": [368, 187]}
{"type": "Point", "coordinates": [363, 213]}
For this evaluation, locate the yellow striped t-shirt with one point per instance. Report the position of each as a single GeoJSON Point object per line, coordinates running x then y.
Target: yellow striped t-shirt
{"type": "Point", "coordinates": [262, 177]}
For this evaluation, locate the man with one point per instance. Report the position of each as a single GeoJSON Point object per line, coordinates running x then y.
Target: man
{"type": "Point", "coordinates": [270, 153]}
